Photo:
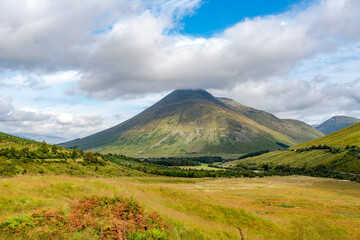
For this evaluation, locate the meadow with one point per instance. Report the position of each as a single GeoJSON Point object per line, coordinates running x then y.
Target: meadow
{"type": "Point", "coordinates": [293, 207]}
{"type": "Point", "coordinates": [203, 166]}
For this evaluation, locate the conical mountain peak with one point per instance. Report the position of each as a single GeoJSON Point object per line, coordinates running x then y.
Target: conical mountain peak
{"type": "Point", "coordinates": [181, 95]}
{"type": "Point", "coordinates": [194, 121]}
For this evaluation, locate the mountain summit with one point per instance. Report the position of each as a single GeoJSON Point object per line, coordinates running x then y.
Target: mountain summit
{"type": "Point", "coordinates": [336, 123]}
{"type": "Point", "coordinates": [182, 95]}
{"type": "Point", "coordinates": [194, 121]}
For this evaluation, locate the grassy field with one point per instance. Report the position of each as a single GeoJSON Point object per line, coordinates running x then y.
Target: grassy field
{"type": "Point", "coordinates": [294, 207]}
{"type": "Point", "coordinates": [226, 156]}
{"type": "Point", "coordinates": [203, 166]}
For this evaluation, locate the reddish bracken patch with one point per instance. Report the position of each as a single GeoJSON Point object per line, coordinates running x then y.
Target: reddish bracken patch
{"type": "Point", "coordinates": [121, 217]}
{"type": "Point", "coordinates": [104, 218]}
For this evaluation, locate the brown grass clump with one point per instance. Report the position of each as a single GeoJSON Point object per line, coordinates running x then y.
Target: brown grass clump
{"type": "Point", "coordinates": [105, 218]}
{"type": "Point", "coordinates": [112, 218]}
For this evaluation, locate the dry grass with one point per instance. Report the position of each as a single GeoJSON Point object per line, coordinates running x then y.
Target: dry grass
{"type": "Point", "coordinates": [263, 208]}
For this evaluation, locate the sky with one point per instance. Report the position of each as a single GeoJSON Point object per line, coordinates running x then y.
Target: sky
{"type": "Point", "coordinates": [213, 17]}
{"type": "Point", "coordinates": [71, 69]}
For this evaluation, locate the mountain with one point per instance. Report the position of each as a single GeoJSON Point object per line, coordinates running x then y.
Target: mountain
{"type": "Point", "coordinates": [338, 151]}
{"type": "Point", "coordinates": [336, 123]}
{"type": "Point", "coordinates": [194, 121]}
{"type": "Point", "coordinates": [297, 130]}
{"type": "Point", "coordinates": [349, 136]}
{"type": "Point", "coordinates": [38, 137]}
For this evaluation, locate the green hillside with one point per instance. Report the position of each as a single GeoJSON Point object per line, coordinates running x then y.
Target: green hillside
{"type": "Point", "coordinates": [349, 136]}
{"type": "Point", "coordinates": [297, 130]}
{"type": "Point", "coordinates": [20, 156]}
{"type": "Point", "coordinates": [339, 151]}
{"type": "Point", "coordinates": [10, 140]}
{"type": "Point", "coordinates": [194, 121]}
{"type": "Point", "coordinates": [336, 123]}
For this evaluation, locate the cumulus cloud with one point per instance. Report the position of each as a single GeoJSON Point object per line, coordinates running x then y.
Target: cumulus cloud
{"type": "Point", "coordinates": [38, 81]}
{"type": "Point", "coordinates": [109, 49]}
{"type": "Point", "coordinates": [60, 35]}
{"type": "Point", "coordinates": [53, 123]}
{"type": "Point", "coordinates": [66, 119]}
{"type": "Point", "coordinates": [136, 57]}
{"type": "Point", "coordinates": [124, 48]}
{"type": "Point", "coordinates": [312, 102]}
{"type": "Point", "coordinates": [9, 114]}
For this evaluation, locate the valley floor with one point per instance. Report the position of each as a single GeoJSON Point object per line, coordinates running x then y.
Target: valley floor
{"type": "Point", "coordinates": [294, 207]}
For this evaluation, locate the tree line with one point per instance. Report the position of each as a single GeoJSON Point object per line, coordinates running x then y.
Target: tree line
{"type": "Point", "coordinates": [184, 161]}
{"type": "Point", "coordinates": [240, 170]}
{"type": "Point", "coordinates": [45, 151]}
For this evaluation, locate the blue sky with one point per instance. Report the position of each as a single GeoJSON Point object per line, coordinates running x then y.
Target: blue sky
{"type": "Point", "coordinates": [65, 72]}
{"type": "Point", "coordinates": [214, 16]}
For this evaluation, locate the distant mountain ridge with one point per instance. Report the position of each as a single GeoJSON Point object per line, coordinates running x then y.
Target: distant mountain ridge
{"type": "Point", "coordinates": [336, 123]}
{"type": "Point", "coordinates": [194, 121]}
{"type": "Point", "coordinates": [39, 137]}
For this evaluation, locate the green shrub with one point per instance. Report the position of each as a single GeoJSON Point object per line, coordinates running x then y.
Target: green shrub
{"type": "Point", "coordinates": [18, 224]}
{"type": "Point", "coordinates": [286, 205]}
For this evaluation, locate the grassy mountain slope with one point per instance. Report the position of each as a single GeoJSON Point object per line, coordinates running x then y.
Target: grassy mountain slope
{"type": "Point", "coordinates": [338, 151]}
{"type": "Point", "coordinates": [197, 126]}
{"type": "Point", "coordinates": [348, 136]}
{"type": "Point", "coordinates": [297, 130]}
{"type": "Point", "coordinates": [7, 140]}
{"type": "Point", "coordinates": [339, 162]}
{"type": "Point", "coordinates": [193, 121]}
{"type": "Point", "coordinates": [336, 123]}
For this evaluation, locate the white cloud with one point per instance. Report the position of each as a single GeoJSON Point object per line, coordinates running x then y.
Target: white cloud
{"type": "Point", "coordinates": [111, 49]}
{"type": "Point", "coordinates": [9, 114]}
{"type": "Point", "coordinates": [61, 77]}
{"type": "Point", "coordinates": [6, 106]}
{"type": "Point", "coordinates": [65, 119]}
{"type": "Point", "coordinates": [27, 120]}
{"type": "Point", "coordinates": [137, 55]}
{"type": "Point", "coordinates": [299, 99]}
